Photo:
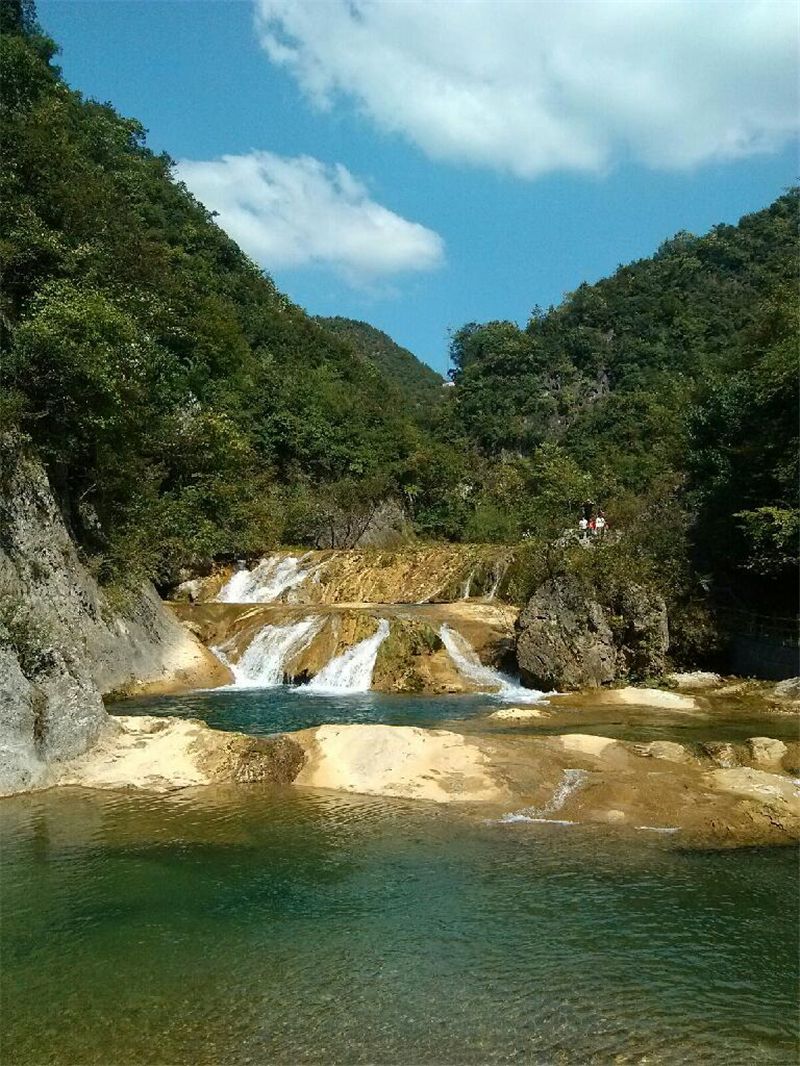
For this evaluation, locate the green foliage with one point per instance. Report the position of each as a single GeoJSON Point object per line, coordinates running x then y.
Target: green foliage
{"type": "Point", "coordinates": [673, 380]}
{"type": "Point", "coordinates": [771, 536]}
{"type": "Point", "coordinates": [420, 387]}
{"type": "Point", "coordinates": [185, 409]}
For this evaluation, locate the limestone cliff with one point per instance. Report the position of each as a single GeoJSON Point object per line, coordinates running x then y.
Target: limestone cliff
{"type": "Point", "coordinates": [62, 646]}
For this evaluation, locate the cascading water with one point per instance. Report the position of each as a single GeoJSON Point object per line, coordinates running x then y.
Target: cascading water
{"type": "Point", "coordinates": [261, 665]}
{"type": "Point", "coordinates": [352, 670]}
{"type": "Point", "coordinates": [469, 665]}
{"type": "Point", "coordinates": [267, 581]}
{"type": "Point", "coordinates": [570, 782]}
{"type": "Point", "coordinates": [501, 573]}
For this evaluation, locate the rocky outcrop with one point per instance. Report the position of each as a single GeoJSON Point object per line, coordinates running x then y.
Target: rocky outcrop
{"type": "Point", "coordinates": [786, 694]}
{"type": "Point", "coordinates": [574, 777]}
{"type": "Point", "coordinates": [62, 645]}
{"type": "Point", "coordinates": [567, 639]}
{"type": "Point", "coordinates": [402, 761]}
{"type": "Point", "coordinates": [161, 754]}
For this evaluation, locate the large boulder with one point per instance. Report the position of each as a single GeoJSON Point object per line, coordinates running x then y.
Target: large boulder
{"type": "Point", "coordinates": [567, 638]}
{"type": "Point", "coordinates": [641, 632]}
{"type": "Point", "coordinates": [564, 639]}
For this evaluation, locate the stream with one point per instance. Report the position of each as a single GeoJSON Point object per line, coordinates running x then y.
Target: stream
{"type": "Point", "coordinates": [250, 925]}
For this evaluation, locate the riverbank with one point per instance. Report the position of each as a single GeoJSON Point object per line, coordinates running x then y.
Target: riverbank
{"type": "Point", "coordinates": [718, 793]}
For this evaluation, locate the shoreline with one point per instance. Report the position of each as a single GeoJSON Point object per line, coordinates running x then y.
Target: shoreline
{"type": "Point", "coordinates": [573, 777]}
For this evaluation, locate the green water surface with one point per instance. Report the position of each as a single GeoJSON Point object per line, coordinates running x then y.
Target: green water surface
{"type": "Point", "coordinates": [246, 924]}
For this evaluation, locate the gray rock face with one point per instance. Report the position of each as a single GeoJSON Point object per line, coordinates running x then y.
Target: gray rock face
{"type": "Point", "coordinates": [21, 766]}
{"type": "Point", "coordinates": [61, 644]}
{"type": "Point", "coordinates": [567, 640]}
{"type": "Point", "coordinates": [642, 634]}
{"type": "Point", "coordinates": [564, 640]}
{"type": "Point", "coordinates": [788, 689]}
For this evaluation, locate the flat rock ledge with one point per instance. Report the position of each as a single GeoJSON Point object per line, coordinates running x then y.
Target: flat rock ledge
{"type": "Point", "coordinates": [161, 754]}
{"type": "Point", "coordinates": [569, 778]}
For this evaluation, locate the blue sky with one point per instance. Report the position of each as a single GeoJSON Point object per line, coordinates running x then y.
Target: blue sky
{"type": "Point", "coordinates": [419, 166]}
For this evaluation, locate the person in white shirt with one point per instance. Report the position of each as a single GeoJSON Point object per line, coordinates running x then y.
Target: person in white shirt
{"type": "Point", "coordinates": [583, 526]}
{"type": "Point", "coordinates": [600, 524]}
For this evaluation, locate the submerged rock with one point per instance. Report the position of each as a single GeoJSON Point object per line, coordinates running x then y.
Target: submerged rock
{"type": "Point", "coordinates": [694, 679]}
{"type": "Point", "coordinates": [519, 714]}
{"type": "Point", "coordinates": [663, 749]}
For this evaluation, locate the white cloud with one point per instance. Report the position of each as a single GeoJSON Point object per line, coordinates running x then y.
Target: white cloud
{"type": "Point", "coordinates": [292, 212]}
{"type": "Point", "coordinates": [531, 87]}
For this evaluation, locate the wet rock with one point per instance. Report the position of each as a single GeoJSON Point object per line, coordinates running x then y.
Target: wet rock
{"type": "Point", "coordinates": [757, 784]}
{"type": "Point", "coordinates": [765, 751]}
{"type": "Point", "coordinates": [788, 689]}
{"type": "Point", "coordinates": [519, 714]}
{"type": "Point", "coordinates": [692, 680]}
{"type": "Point", "coordinates": [663, 749]}
{"type": "Point", "coordinates": [615, 817]}
{"type": "Point", "coordinates": [721, 753]}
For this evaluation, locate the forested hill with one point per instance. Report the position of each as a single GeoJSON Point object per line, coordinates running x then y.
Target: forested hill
{"type": "Point", "coordinates": [667, 391]}
{"type": "Point", "coordinates": [421, 385]}
{"type": "Point", "coordinates": [183, 406]}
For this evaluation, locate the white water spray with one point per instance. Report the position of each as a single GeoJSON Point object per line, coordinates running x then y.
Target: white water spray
{"type": "Point", "coordinates": [352, 670]}
{"type": "Point", "coordinates": [267, 581]}
{"type": "Point", "coordinates": [261, 665]}
{"type": "Point", "coordinates": [469, 665]}
{"type": "Point", "coordinates": [570, 782]}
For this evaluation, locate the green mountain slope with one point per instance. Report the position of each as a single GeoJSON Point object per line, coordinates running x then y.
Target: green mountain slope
{"type": "Point", "coordinates": [421, 385]}
{"type": "Point", "coordinates": [184, 407]}
{"type": "Point", "coordinates": [667, 392]}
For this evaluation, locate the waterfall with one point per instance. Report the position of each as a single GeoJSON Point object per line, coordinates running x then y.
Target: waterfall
{"type": "Point", "coordinates": [261, 665]}
{"type": "Point", "coordinates": [352, 670]}
{"type": "Point", "coordinates": [267, 581]}
{"type": "Point", "coordinates": [501, 573]}
{"type": "Point", "coordinates": [467, 585]}
{"type": "Point", "coordinates": [570, 782]}
{"type": "Point", "coordinates": [469, 665]}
